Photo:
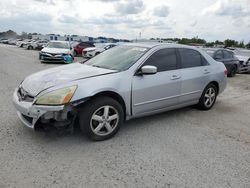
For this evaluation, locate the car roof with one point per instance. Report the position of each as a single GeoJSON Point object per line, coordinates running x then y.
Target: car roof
{"type": "Point", "coordinates": [157, 44]}
{"type": "Point", "coordinates": [59, 41]}
{"type": "Point", "coordinates": [215, 49]}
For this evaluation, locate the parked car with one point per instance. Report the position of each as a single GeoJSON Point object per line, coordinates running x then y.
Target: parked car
{"type": "Point", "coordinates": [4, 41]}
{"type": "Point", "coordinates": [12, 41]}
{"type": "Point", "coordinates": [22, 43]}
{"type": "Point", "coordinates": [57, 51]}
{"type": "Point", "coordinates": [99, 48]}
{"type": "Point", "coordinates": [227, 57]}
{"type": "Point", "coordinates": [37, 45]}
{"type": "Point", "coordinates": [79, 46]}
{"type": "Point", "coordinates": [244, 57]}
{"type": "Point", "coordinates": [125, 82]}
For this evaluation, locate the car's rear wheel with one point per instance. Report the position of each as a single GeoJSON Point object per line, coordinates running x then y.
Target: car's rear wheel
{"type": "Point", "coordinates": [233, 71]}
{"type": "Point", "coordinates": [101, 118]}
{"type": "Point", "coordinates": [208, 97]}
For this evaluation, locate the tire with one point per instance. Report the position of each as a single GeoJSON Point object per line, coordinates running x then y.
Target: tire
{"type": "Point", "coordinates": [233, 71]}
{"type": "Point", "coordinates": [94, 118]}
{"type": "Point", "coordinates": [30, 47]}
{"type": "Point", "coordinates": [208, 97]}
{"type": "Point", "coordinates": [97, 53]}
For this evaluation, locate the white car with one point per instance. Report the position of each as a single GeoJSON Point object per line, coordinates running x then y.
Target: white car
{"type": "Point", "coordinates": [244, 57]}
{"type": "Point", "coordinates": [57, 51]}
{"type": "Point", "coordinates": [21, 44]}
{"type": "Point", "coordinates": [37, 45]}
{"type": "Point", "coordinates": [99, 48]}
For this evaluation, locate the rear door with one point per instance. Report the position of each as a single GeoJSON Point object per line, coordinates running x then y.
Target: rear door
{"type": "Point", "coordinates": [195, 72]}
{"type": "Point", "coordinates": [160, 90]}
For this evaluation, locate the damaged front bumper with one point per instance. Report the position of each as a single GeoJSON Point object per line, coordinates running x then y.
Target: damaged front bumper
{"type": "Point", "coordinates": [31, 114]}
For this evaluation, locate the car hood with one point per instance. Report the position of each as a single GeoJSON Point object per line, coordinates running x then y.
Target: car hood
{"type": "Point", "coordinates": [243, 58]}
{"type": "Point", "coordinates": [55, 50]}
{"type": "Point", "coordinates": [40, 81]}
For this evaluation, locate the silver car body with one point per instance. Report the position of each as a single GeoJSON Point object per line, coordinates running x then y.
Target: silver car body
{"type": "Point", "coordinates": [140, 95]}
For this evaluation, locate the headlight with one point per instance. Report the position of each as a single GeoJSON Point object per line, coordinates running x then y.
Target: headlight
{"type": "Point", "coordinates": [57, 97]}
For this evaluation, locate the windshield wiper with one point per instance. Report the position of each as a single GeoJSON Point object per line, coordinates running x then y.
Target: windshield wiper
{"type": "Point", "coordinates": [98, 66]}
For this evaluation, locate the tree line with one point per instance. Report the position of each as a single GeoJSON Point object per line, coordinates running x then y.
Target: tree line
{"type": "Point", "coordinates": [193, 41]}
{"type": "Point", "coordinates": [197, 41]}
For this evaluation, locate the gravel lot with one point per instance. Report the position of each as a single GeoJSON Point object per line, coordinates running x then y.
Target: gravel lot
{"type": "Point", "coordinates": [181, 148]}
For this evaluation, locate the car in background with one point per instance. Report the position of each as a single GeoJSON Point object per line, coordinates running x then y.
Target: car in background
{"type": "Point", "coordinates": [57, 51]}
{"type": "Point", "coordinates": [99, 48]}
{"type": "Point", "coordinates": [12, 41]}
{"type": "Point", "coordinates": [244, 57]}
{"type": "Point", "coordinates": [4, 41]}
{"type": "Point", "coordinates": [37, 45]}
{"type": "Point", "coordinates": [23, 43]}
{"type": "Point", "coordinates": [80, 46]}
{"type": "Point", "coordinates": [122, 83]}
{"type": "Point", "coordinates": [227, 57]}
{"type": "Point", "coordinates": [27, 44]}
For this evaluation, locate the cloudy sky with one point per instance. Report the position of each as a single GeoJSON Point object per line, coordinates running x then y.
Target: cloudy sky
{"type": "Point", "coordinates": [209, 19]}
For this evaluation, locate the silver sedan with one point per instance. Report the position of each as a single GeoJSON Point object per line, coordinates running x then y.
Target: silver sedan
{"type": "Point", "coordinates": [127, 81]}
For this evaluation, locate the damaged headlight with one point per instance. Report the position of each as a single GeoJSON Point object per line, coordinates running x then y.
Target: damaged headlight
{"type": "Point", "coordinates": [57, 97]}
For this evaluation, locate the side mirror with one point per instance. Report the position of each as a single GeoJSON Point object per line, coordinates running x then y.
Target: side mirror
{"type": "Point", "coordinates": [148, 69]}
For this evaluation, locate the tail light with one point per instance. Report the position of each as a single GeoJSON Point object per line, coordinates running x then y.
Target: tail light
{"type": "Point", "coordinates": [225, 72]}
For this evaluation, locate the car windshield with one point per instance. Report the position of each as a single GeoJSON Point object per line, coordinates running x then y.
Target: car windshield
{"type": "Point", "coordinates": [118, 58]}
{"type": "Point", "coordinates": [63, 45]}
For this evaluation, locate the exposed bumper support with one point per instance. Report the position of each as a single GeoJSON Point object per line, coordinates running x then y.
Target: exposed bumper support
{"type": "Point", "coordinates": [29, 113]}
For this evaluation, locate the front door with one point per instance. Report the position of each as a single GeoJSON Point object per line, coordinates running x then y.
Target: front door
{"type": "Point", "coordinates": [158, 91]}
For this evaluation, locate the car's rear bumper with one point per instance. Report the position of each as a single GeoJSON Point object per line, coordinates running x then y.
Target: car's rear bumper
{"type": "Point", "coordinates": [29, 113]}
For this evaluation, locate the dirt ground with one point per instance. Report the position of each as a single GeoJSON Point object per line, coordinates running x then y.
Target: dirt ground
{"type": "Point", "coordinates": [181, 148]}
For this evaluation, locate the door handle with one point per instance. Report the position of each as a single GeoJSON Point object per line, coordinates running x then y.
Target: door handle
{"type": "Point", "coordinates": [175, 77]}
{"type": "Point", "coordinates": [206, 71]}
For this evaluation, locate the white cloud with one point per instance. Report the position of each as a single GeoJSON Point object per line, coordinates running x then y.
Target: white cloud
{"type": "Point", "coordinates": [210, 19]}
{"type": "Point", "coordinates": [227, 8]}
{"type": "Point", "coordinates": [130, 7]}
{"type": "Point", "coordinates": [161, 11]}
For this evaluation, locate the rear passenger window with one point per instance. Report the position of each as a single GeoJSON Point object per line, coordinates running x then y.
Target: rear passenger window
{"type": "Point", "coordinates": [164, 60]}
{"type": "Point", "coordinates": [191, 58]}
{"type": "Point", "coordinates": [218, 55]}
{"type": "Point", "coordinates": [228, 55]}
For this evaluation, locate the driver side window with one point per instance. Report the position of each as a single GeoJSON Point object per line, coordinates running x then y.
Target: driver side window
{"type": "Point", "coordinates": [164, 60]}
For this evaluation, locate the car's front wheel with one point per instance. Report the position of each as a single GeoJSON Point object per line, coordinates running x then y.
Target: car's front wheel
{"type": "Point", "coordinates": [101, 118]}
{"type": "Point", "coordinates": [208, 97]}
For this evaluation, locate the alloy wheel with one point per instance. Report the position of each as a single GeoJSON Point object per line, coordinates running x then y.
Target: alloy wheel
{"type": "Point", "coordinates": [209, 97]}
{"type": "Point", "coordinates": [104, 120]}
